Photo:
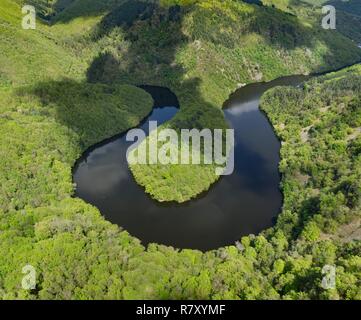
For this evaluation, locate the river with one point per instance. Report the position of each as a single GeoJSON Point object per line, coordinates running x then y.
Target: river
{"type": "Point", "coordinates": [248, 201]}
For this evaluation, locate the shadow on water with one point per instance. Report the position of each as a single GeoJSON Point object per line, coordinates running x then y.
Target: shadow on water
{"type": "Point", "coordinates": [243, 203]}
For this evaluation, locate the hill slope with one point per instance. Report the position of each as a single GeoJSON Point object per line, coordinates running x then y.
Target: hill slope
{"type": "Point", "coordinates": [66, 86]}
{"type": "Point", "coordinates": [351, 6]}
{"type": "Point", "coordinates": [203, 52]}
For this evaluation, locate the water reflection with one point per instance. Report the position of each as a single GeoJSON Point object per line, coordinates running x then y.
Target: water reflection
{"type": "Point", "coordinates": [243, 203]}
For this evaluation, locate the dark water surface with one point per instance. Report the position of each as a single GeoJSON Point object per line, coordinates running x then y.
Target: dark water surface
{"type": "Point", "coordinates": [243, 203]}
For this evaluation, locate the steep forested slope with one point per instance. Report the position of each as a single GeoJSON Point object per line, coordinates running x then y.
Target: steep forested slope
{"type": "Point", "coordinates": [203, 52]}
{"type": "Point", "coordinates": [351, 6]}
{"type": "Point", "coordinates": [348, 18]}
{"type": "Point", "coordinates": [67, 86]}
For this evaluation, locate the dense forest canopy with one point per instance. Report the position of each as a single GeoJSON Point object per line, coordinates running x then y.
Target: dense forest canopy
{"type": "Point", "coordinates": [72, 83]}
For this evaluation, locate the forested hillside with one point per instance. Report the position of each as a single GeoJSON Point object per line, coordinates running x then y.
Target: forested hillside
{"type": "Point", "coordinates": [203, 52]}
{"type": "Point", "coordinates": [351, 6]}
{"type": "Point", "coordinates": [71, 83]}
{"type": "Point", "coordinates": [348, 17]}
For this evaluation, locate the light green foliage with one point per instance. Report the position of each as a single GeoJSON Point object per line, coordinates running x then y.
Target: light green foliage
{"type": "Point", "coordinates": [351, 6]}
{"type": "Point", "coordinates": [51, 124]}
{"type": "Point", "coordinates": [68, 86]}
{"type": "Point", "coordinates": [320, 165]}
{"type": "Point", "coordinates": [242, 43]}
